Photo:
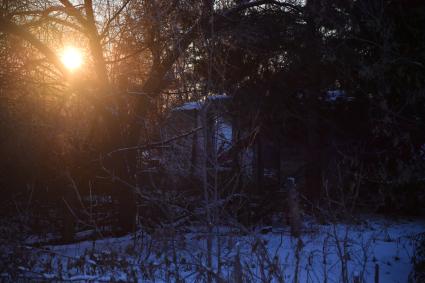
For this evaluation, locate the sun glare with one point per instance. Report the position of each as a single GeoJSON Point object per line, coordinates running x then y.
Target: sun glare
{"type": "Point", "coordinates": [72, 58]}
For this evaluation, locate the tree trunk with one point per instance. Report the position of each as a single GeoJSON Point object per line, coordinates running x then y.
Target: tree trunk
{"type": "Point", "coordinates": [294, 209]}
{"type": "Point", "coordinates": [258, 165]}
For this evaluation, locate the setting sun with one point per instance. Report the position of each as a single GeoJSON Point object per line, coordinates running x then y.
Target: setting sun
{"type": "Point", "coordinates": [72, 58]}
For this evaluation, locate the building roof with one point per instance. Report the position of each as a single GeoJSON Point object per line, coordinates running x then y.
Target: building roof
{"type": "Point", "coordinates": [197, 105]}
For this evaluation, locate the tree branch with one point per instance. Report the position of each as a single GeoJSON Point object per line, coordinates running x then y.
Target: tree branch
{"type": "Point", "coordinates": [9, 27]}
{"type": "Point", "coordinates": [253, 4]}
{"type": "Point", "coordinates": [74, 12]}
{"type": "Point", "coordinates": [156, 144]}
{"type": "Point", "coordinates": [95, 46]}
{"type": "Point", "coordinates": [45, 19]}
{"type": "Point", "coordinates": [155, 80]}
{"type": "Point", "coordinates": [105, 29]}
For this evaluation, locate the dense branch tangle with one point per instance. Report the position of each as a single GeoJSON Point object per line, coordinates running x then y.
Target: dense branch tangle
{"type": "Point", "coordinates": [131, 44]}
{"type": "Point", "coordinates": [84, 19]}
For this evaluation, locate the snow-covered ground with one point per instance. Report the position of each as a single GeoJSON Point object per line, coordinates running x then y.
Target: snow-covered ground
{"type": "Point", "coordinates": [324, 253]}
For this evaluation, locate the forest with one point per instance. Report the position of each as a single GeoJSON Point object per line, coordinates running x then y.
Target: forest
{"type": "Point", "coordinates": [212, 141]}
